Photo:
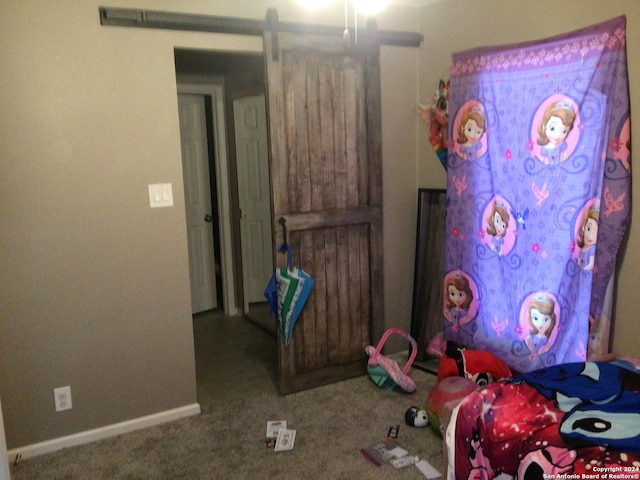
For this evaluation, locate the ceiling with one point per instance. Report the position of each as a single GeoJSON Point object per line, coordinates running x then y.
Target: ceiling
{"type": "Point", "coordinates": [413, 3]}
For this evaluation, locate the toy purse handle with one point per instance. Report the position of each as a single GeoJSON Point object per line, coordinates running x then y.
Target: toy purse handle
{"type": "Point", "coordinates": [373, 359]}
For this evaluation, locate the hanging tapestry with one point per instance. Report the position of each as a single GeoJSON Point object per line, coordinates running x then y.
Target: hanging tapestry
{"type": "Point", "coordinates": [538, 192]}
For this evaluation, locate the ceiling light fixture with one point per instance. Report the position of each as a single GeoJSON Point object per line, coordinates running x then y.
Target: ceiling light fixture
{"type": "Point", "coordinates": [363, 7]}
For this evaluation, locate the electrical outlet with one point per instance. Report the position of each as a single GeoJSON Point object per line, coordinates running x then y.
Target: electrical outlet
{"type": "Point", "coordinates": [62, 397]}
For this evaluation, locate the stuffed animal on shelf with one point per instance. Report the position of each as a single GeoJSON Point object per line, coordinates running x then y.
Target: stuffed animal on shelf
{"type": "Point", "coordinates": [416, 417]}
{"type": "Point", "coordinates": [436, 115]}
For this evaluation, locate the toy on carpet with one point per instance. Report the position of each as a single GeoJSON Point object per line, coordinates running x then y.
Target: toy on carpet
{"type": "Point", "coordinates": [478, 365]}
{"type": "Point", "coordinates": [386, 372]}
{"type": "Point", "coordinates": [437, 345]}
{"type": "Point", "coordinates": [460, 372]}
{"type": "Point", "coordinates": [436, 115]}
{"type": "Point", "coordinates": [448, 391]}
{"type": "Point", "coordinates": [416, 417]}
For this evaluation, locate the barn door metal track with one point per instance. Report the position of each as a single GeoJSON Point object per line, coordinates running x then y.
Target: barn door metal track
{"type": "Point", "coordinates": [130, 17]}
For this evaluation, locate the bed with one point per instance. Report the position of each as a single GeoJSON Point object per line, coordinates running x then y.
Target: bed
{"type": "Point", "coordinates": [520, 282]}
{"type": "Point", "coordinates": [570, 421]}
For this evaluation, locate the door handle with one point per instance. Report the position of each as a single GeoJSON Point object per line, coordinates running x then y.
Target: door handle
{"type": "Point", "coordinates": [208, 218]}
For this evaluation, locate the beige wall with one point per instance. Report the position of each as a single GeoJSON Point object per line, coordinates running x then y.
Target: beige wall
{"type": "Point", "coordinates": [94, 284]}
{"type": "Point", "coordinates": [455, 25]}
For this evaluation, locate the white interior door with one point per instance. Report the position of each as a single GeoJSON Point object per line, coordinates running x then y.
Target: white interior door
{"type": "Point", "coordinates": [254, 196]}
{"type": "Point", "coordinates": [195, 165]}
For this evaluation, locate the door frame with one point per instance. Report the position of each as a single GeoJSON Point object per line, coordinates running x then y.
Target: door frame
{"type": "Point", "coordinates": [5, 473]}
{"type": "Point", "coordinates": [223, 189]}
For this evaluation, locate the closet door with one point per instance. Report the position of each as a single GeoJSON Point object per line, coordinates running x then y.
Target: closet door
{"type": "Point", "coordinates": [325, 149]}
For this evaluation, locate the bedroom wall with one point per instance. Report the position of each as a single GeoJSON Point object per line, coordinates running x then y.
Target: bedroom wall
{"type": "Point", "coordinates": [504, 21]}
{"type": "Point", "coordinates": [94, 286]}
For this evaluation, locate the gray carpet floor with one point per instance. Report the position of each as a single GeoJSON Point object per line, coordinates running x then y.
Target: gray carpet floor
{"type": "Point", "coordinates": [227, 441]}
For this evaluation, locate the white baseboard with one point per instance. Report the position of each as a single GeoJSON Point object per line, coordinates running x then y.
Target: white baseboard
{"type": "Point", "coordinates": [101, 433]}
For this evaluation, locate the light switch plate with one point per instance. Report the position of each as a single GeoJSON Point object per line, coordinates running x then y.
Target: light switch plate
{"type": "Point", "coordinates": [160, 195]}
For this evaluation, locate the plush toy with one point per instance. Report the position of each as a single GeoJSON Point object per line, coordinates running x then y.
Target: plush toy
{"type": "Point", "coordinates": [415, 417]}
{"type": "Point", "coordinates": [478, 365]}
{"type": "Point", "coordinates": [446, 394]}
{"type": "Point", "coordinates": [436, 115]}
{"type": "Point", "coordinates": [437, 345]}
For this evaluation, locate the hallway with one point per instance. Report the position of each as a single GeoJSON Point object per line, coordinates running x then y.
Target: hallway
{"type": "Point", "coordinates": [234, 358]}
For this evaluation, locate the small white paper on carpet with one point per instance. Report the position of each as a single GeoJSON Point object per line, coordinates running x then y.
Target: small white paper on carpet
{"type": "Point", "coordinates": [427, 469]}
{"type": "Point", "coordinates": [286, 439]}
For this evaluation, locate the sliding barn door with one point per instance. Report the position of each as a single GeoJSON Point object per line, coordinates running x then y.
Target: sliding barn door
{"type": "Point", "coordinates": [324, 120]}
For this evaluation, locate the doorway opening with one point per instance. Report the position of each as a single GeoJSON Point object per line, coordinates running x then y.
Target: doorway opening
{"type": "Point", "coordinates": [231, 87]}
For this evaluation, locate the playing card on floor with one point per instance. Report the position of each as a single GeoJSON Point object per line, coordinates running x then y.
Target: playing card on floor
{"type": "Point", "coordinates": [285, 440]}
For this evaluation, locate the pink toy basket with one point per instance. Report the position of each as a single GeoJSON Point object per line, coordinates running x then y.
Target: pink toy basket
{"type": "Point", "coordinates": [386, 372]}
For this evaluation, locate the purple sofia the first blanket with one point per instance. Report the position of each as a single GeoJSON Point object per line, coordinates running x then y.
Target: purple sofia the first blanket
{"type": "Point", "coordinates": [538, 191]}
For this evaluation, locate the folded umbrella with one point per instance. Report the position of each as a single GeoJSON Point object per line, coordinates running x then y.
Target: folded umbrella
{"type": "Point", "coordinates": [303, 290]}
{"type": "Point", "coordinates": [271, 292]}
{"type": "Point", "coordinates": [287, 292]}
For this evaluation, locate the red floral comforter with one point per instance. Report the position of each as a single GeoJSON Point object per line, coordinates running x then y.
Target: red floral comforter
{"type": "Point", "coordinates": [571, 421]}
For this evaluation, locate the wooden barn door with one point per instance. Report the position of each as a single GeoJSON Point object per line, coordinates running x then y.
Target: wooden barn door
{"type": "Point", "coordinates": [325, 149]}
